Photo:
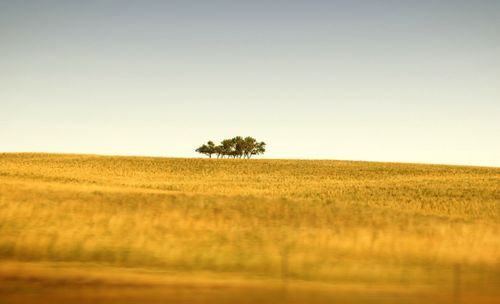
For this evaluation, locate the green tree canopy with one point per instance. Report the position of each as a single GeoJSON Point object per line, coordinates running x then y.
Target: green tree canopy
{"type": "Point", "coordinates": [236, 147]}
{"type": "Point", "coordinates": [208, 149]}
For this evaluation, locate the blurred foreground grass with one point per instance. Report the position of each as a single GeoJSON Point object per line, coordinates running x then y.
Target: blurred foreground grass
{"type": "Point", "coordinates": [85, 228]}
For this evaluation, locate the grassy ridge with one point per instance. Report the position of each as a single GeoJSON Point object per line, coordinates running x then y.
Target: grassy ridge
{"type": "Point", "coordinates": [321, 222]}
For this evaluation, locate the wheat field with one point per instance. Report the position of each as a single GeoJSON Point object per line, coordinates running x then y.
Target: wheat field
{"type": "Point", "coordinates": [106, 229]}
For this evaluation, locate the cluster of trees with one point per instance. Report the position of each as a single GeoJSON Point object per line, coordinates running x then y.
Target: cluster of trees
{"type": "Point", "coordinates": [237, 147]}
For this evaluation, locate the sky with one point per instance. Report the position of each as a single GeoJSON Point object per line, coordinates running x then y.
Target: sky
{"type": "Point", "coordinates": [400, 81]}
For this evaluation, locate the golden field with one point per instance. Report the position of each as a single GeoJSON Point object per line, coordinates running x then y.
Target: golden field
{"type": "Point", "coordinates": [102, 229]}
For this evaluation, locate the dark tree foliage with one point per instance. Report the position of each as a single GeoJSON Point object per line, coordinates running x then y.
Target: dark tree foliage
{"type": "Point", "coordinates": [207, 149]}
{"type": "Point", "coordinates": [236, 147]}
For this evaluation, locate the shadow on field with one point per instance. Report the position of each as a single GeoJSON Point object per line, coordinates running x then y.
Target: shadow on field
{"type": "Point", "coordinates": [31, 283]}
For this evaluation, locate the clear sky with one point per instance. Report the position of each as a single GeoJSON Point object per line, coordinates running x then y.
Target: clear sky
{"type": "Point", "coordinates": [406, 81]}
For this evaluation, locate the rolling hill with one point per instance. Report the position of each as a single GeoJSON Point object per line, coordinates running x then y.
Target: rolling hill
{"type": "Point", "coordinates": [86, 228]}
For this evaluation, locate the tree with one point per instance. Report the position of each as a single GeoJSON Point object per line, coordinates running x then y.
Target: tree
{"type": "Point", "coordinates": [236, 147]}
{"type": "Point", "coordinates": [211, 147]}
{"type": "Point", "coordinates": [227, 146]}
{"type": "Point", "coordinates": [260, 148]}
{"type": "Point", "coordinates": [249, 145]}
{"type": "Point", "coordinates": [207, 149]}
{"type": "Point", "coordinates": [239, 146]}
{"type": "Point", "coordinates": [218, 151]}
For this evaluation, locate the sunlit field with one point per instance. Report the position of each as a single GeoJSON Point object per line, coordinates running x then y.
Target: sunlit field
{"type": "Point", "coordinates": [98, 229]}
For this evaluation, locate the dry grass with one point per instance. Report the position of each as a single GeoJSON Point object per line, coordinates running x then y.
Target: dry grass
{"type": "Point", "coordinates": [384, 229]}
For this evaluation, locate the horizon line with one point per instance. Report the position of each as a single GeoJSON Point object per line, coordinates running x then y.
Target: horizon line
{"type": "Point", "coordinates": [259, 158]}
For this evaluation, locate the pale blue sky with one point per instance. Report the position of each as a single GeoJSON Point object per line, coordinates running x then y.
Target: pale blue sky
{"type": "Point", "coordinates": [405, 81]}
